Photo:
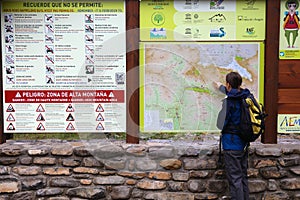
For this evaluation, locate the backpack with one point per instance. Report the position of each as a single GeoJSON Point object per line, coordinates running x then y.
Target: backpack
{"type": "Point", "coordinates": [253, 116]}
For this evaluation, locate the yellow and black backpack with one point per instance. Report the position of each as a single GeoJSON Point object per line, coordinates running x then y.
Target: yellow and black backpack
{"type": "Point", "coordinates": [253, 116]}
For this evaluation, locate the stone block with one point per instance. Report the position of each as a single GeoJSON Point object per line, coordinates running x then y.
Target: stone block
{"type": "Point", "coordinates": [4, 170]}
{"type": "Point", "coordinates": [85, 170]}
{"type": "Point", "coordinates": [272, 172]}
{"type": "Point", "coordinates": [260, 163]}
{"type": "Point", "coordinates": [49, 192]}
{"type": "Point", "coordinates": [9, 187]}
{"type": "Point", "coordinates": [295, 170]}
{"type": "Point", "coordinates": [171, 164]}
{"type": "Point", "coordinates": [11, 150]}
{"type": "Point", "coordinates": [268, 151]}
{"type": "Point", "coordinates": [109, 180]}
{"type": "Point", "coordinates": [169, 196]}
{"type": "Point", "coordinates": [139, 151]}
{"type": "Point", "coordinates": [289, 161]}
{"type": "Point", "coordinates": [180, 176]}
{"type": "Point", "coordinates": [87, 192]}
{"type": "Point", "coordinates": [57, 171]}
{"type": "Point", "coordinates": [146, 165]}
{"type": "Point", "coordinates": [42, 151]}
{"type": "Point", "coordinates": [8, 160]}
{"type": "Point", "coordinates": [161, 152]}
{"type": "Point", "coordinates": [176, 186]}
{"type": "Point", "coordinates": [70, 162]}
{"type": "Point", "coordinates": [27, 171]}
{"type": "Point", "coordinates": [28, 195]}
{"type": "Point", "coordinates": [44, 161]}
{"type": "Point", "coordinates": [256, 186]}
{"type": "Point", "coordinates": [205, 196]}
{"type": "Point", "coordinates": [252, 173]}
{"type": "Point", "coordinates": [33, 183]}
{"type": "Point", "coordinates": [160, 175]}
{"type": "Point", "coordinates": [200, 174]}
{"type": "Point", "coordinates": [62, 150]}
{"type": "Point", "coordinates": [114, 164]}
{"type": "Point", "coordinates": [276, 196]}
{"type": "Point", "coordinates": [64, 182]}
{"type": "Point", "coordinates": [199, 164]}
{"type": "Point", "coordinates": [120, 192]}
{"type": "Point", "coordinates": [91, 162]}
{"type": "Point", "coordinates": [108, 151]}
{"type": "Point", "coordinates": [86, 182]}
{"type": "Point", "coordinates": [196, 186]}
{"type": "Point", "coordinates": [137, 193]}
{"type": "Point", "coordinates": [135, 175]}
{"type": "Point", "coordinates": [216, 186]}
{"type": "Point", "coordinates": [290, 184]}
{"type": "Point", "coordinates": [82, 151]}
{"type": "Point", "coordinates": [272, 185]}
{"type": "Point", "coordinates": [151, 185]}
{"type": "Point", "coordinates": [26, 160]}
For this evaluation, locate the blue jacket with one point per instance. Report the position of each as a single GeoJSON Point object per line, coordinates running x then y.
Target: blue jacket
{"type": "Point", "coordinates": [230, 139]}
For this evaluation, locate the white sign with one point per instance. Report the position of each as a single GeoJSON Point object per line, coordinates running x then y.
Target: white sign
{"type": "Point", "coordinates": [288, 123]}
{"type": "Point", "coordinates": [63, 61]}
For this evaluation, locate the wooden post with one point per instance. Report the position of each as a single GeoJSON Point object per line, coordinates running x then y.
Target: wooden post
{"type": "Point", "coordinates": [271, 71]}
{"type": "Point", "coordinates": [132, 77]}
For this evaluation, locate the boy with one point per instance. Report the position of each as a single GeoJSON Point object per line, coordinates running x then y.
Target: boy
{"type": "Point", "coordinates": [234, 148]}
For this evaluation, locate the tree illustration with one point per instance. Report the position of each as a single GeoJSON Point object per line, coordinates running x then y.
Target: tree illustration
{"type": "Point", "coordinates": [158, 18]}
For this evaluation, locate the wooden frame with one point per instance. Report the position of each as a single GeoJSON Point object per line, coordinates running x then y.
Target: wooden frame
{"type": "Point", "coordinates": [271, 73]}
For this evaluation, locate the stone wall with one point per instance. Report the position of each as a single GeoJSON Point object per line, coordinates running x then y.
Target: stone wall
{"type": "Point", "coordinates": [157, 170]}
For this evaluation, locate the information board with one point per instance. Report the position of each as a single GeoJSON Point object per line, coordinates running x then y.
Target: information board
{"type": "Point", "coordinates": [64, 66]}
{"type": "Point", "coordinates": [206, 20]}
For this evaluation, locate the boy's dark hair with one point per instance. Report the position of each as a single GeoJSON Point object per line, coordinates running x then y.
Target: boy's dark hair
{"type": "Point", "coordinates": [234, 79]}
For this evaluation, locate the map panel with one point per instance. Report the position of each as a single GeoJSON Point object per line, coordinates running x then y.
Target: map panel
{"type": "Point", "coordinates": [178, 82]}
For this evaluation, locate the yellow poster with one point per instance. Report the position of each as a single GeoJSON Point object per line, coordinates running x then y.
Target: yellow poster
{"type": "Point", "coordinates": [289, 43]}
{"type": "Point", "coordinates": [208, 20]}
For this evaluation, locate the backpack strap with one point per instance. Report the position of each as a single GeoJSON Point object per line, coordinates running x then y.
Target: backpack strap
{"type": "Point", "coordinates": [220, 163]}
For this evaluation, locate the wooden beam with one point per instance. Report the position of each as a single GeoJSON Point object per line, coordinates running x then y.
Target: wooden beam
{"type": "Point", "coordinates": [271, 70]}
{"type": "Point", "coordinates": [132, 77]}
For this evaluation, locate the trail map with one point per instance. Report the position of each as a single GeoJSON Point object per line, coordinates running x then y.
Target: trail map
{"type": "Point", "coordinates": [178, 82]}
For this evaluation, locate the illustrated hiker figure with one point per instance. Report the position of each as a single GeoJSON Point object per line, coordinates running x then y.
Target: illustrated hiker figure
{"type": "Point", "coordinates": [235, 150]}
{"type": "Point", "coordinates": [291, 22]}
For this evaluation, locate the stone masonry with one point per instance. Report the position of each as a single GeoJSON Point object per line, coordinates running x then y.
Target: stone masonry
{"type": "Point", "coordinates": [152, 170]}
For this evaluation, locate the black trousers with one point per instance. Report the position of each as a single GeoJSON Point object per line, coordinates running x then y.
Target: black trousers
{"type": "Point", "coordinates": [236, 165]}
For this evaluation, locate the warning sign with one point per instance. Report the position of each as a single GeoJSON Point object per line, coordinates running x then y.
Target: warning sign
{"type": "Point", "coordinates": [100, 117]}
{"type": "Point", "coordinates": [10, 108]}
{"type": "Point", "coordinates": [100, 127]}
{"type": "Point", "coordinates": [11, 127]}
{"type": "Point", "coordinates": [18, 95]}
{"type": "Point", "coordinates": [70, 108]}
{"type": "Point", "coordinates": [99, 108]}
{"type": "Point", "coordinates": [10, 118]}
{"type": "Point", "coordinates": [40, 118]}
{"type": "Point", "coordinates": [40, 127]}
{"type": "Point", "coordinates": [40, 108]}
{"type": "Point", "coordinates": [70, 117]}
{"type": "Point", "coordinates": [70, 127]}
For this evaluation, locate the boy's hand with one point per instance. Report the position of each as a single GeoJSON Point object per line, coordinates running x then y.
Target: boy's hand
{"type": "Point", "coordinates": [217, 84]}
